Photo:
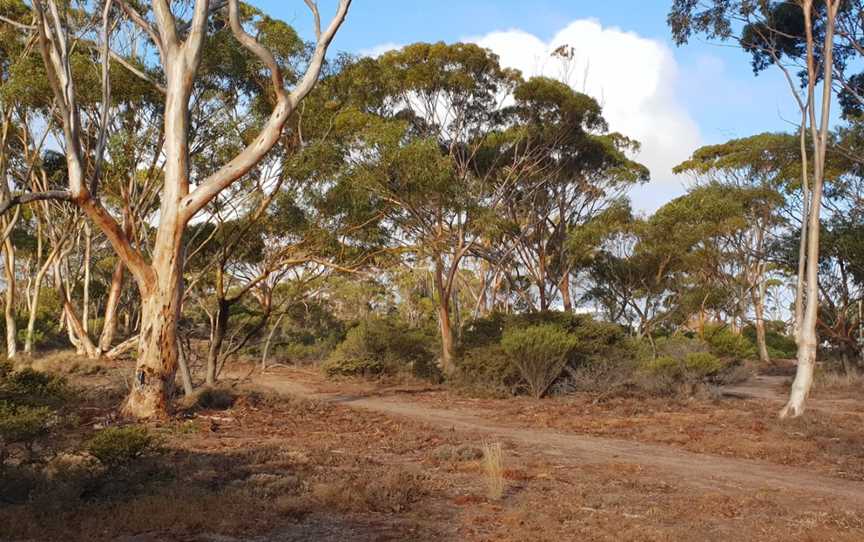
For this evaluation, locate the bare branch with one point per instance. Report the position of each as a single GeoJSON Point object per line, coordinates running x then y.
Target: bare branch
{"type": "Point", "coordinates": [106, 98]}
{"type": "Point", "coordinates": [313, 7]}
{"type": "Point", "coordinates": [142, 23]}
{"type": "Point", "coordinates": [21, 199]}
{"type": "Point", "coordinates": [16, 24]}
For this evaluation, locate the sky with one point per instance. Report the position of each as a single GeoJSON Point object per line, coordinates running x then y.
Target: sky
{"type": "Point", "coordinates": [672, 99]}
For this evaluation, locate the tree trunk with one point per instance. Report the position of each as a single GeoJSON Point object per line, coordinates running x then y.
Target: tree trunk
{"type": "Point", "coordinates": [217, 337]}
{"type": "Point", "coordinates": [109, 327]}
{"type": "Point", "coordinates": [34, 306]}
{"type": "Point", "coordinates": [444, 324]}
{"type": "Point", "coordinates": [809, 340]}
{"type": "Point", "coordinates": [77, 334]}
{"type": "Point", "coordinates": [185, 373]}
{"type": "Point", "coordinates": [565, 292]}
{"type": "Point", "coordinates": [85, 304]}
{"type": "Point", "coordinates": [9, 312]}
{"type": "Point", "coordinates": [270, 335]}
{"type": "Point", "coordinates": [759, 309]}
{"type": "Point", "coordinates": [156, 366]}
{"type": "Point", "coordinates": [446, 328]}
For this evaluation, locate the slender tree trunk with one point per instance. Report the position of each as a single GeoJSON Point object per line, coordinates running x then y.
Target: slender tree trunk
{"type": "Point", "coordinates": [85, 309]}
{"type": "Point", "coordinates": [217, 338]}
{"type": "Point", "coordinates": [444, 324]}
{"type": "Point", "coordinates": [270, 335]}
{"type": "Point", "coordinates": [565, 291]}
{"type": "Point", "coordinates": [808, 343]}
{"type": "Point", "coordinates": [34, 305]}
{"type": "Point", "coordinates": [759, 309]}
{"type": "Point", "coordinates": [9, 312]}
{"type": "Point", "coordinates": [185, 373]}
{"type": "Point", "coordinates": [77, 334]}
{"type": "Point", "coordinates": [109, 328]}
{"type": "Point", "coordinates": [802, 248]}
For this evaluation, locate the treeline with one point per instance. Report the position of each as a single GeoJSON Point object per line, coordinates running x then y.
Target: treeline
{"type": "Point", "coordinates": [428, 208]}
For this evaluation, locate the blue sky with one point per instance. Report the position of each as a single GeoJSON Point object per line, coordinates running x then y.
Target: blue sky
{"type": "Point", "coordinates": [707, 90]}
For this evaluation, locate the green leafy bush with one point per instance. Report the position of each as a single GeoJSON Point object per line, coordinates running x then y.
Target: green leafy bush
{"type": "Point", "coordinates": [119, 445]}
{"type": "Point", "coordinates": [30, 387]}
{"type": "Point", "coordinates": [381, 347]}
{"type": "Point", "coordinates": [487, 370]}
{"type": "Point", "coordinates": [540, 353]}
{"type": "Point", "coordinates": [484, 368]}
{"type": "Point", "coordinates": [703, 364]}
{"type": "Point", "coordinates": [22, 423]}
{"type": "Point", "coordinates": [780, 345]}
{"type": "Point", "coordinates": [725, 343]}
{"type": "Point", "coordinates": [693, 367]}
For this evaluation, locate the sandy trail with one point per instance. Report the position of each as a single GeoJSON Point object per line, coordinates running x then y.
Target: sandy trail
{"type": "Point", "coordinates": [702, 471]}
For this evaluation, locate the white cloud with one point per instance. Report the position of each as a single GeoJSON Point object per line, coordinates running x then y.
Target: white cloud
{"type": "Point", "coordinates": [379, 50]}
{"type": "Point", "coordinates": [633, 77]}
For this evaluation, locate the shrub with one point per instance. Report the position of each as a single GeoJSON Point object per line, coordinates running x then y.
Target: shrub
{"type": "Point", "coordinates": [693, 367]}
{"type": "Point", "coordinates": [119, 445]}
{"type": "Point", "coordinates": [540, 353]}
{"type": "Point", "coordinates": [23, 424]}
{"type": "Point", "coordinates": [214, 398]}
{"type": "Point", "coordinates": [703, 364]}
{"type": "Point", "coordinates": [380, 347]}
{"type": "Point", "coordinates": [487, 370]}
{"type": "Point", "coordinates": [34, 388]}
{"type": "Point", "coordinates": [484, 367]}
{"type": "Point", "coordinates": [725, 343]}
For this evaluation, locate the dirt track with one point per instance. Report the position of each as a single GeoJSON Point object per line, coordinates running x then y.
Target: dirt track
{"type": "Point", "coordinates": [706, 472]}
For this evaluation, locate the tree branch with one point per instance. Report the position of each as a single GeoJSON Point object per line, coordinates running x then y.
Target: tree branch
{"type": "Point", "coordinates": [272, 130]}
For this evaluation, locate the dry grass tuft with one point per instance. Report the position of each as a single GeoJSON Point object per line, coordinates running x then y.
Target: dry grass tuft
{"type": "Point", "coordinates": [493, 466]}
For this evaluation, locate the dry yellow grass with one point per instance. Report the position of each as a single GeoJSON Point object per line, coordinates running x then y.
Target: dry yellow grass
{"type": "Point", "coordinates": [493, 466]}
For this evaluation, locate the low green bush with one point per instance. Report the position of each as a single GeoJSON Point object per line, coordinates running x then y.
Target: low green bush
{"type": "Point", "coordinates": [693, 367]}
{"type": "Point", "coordinates": [725, 343]}
{"type": "Point", "coordinates": [780, 345]}
{"type": "Point", "coordinates": [120, 445]}
{"type": "Point", "coordinates": [485, 369]}
{"type": "Point", "coordinates": [540, 353]}
{"type": "Point", "coordinates": [22, 424]}
{"type": "Point", "coordinates": [383, 347]}
{"type": "Point", "coordinates": [34, 388]}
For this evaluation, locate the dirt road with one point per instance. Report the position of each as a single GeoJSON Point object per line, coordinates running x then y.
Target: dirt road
{"type": "Point", "coordinates": [706, 472]}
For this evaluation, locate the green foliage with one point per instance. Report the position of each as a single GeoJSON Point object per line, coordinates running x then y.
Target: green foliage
{"type": "Point", "coordinates": [483, 366]}
{"type": "Point", "coordinates": [30, 387]}
{"type": "Point", "coordinates": [540, 353]}
{"type": "Point", "coordinates": [693, 367]}
{"type": "Point", "coordinates": [120, 445]}
{"type": "Point", "coordinates": [23, 424]}
{"type": "Point", "coordinates": [382, 346]}
{"type": "Point", "coordinates": [725, 343]}
{"type": "Point", "coordinates": [487, 370]}
{"type": "Point", "coordinates": [780, 345]}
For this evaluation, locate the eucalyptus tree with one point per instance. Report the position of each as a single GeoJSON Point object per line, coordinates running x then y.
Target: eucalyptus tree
{"type": "Point", "coordinates": [803, 35]}
{"type": "Point", "coordinates": [581, 170]}
{"type": "Point", "coordinates": [754, 178]}
{"type": "Point", "coordinates": [178, 43]}
{"type": "Point", "coordinates": [415, 127]}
